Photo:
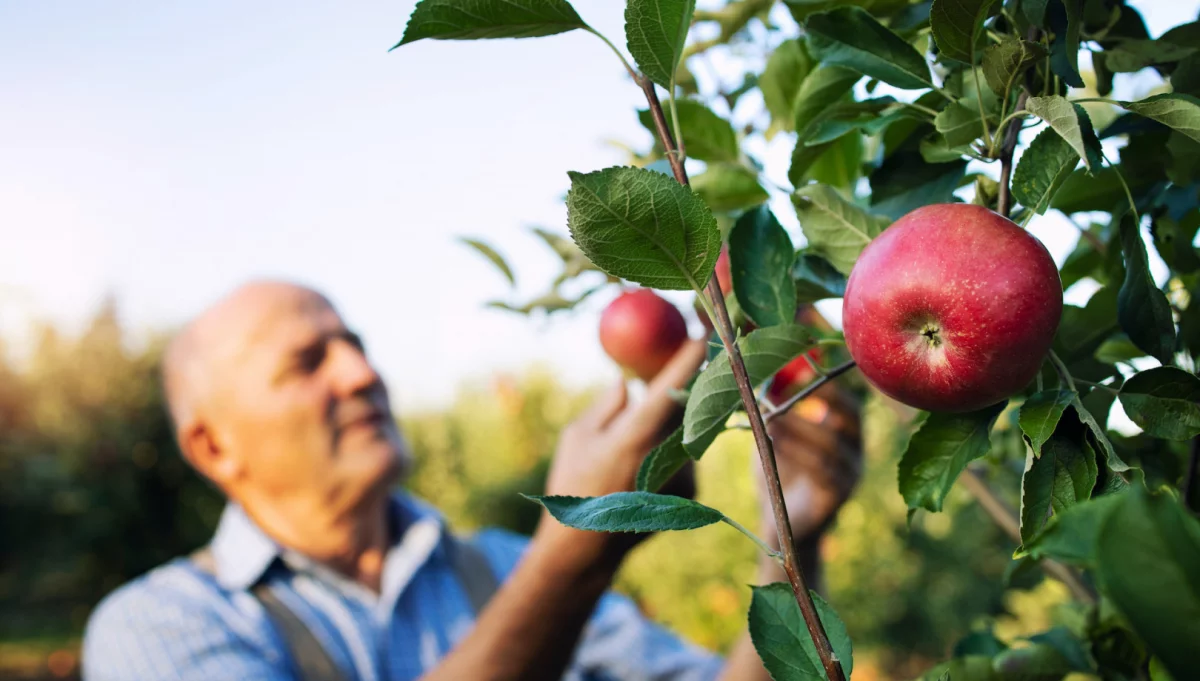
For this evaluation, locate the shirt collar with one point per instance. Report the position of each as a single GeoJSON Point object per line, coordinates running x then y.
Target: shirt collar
{"type": "Point", "coordinates": [243, 553]}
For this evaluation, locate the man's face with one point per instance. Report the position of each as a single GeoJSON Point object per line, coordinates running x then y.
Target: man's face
{"type": "Point", "coordinates": [302, 409]}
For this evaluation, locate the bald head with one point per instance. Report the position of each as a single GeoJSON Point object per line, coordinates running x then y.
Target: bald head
{"type": "Point", "coordinates": [207, 349]}
{"type": "Point", "coordinates": [273, 396]}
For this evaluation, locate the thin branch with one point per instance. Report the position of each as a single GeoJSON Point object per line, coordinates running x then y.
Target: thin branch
{"type": "Point", "coordinates": [808, 390]}
{"type": "Point", "coordinates": [1004, 517]}
{"type": "Point", "coordinates": [1061, 368]}
{"type": "Point", "coordinates": [1012, 133]}
{"type": "Point", "coordinates": [766, 452]}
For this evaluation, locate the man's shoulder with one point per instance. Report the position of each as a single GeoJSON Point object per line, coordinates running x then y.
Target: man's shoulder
{"type": "Point", "coordinates": [177, 584]}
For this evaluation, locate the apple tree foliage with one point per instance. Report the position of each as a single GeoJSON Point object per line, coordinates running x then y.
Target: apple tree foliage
{"type": "Point", "coordinates": [890, 105]}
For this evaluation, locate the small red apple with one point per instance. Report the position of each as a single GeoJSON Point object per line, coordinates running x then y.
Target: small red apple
{"type": "Point", "coordinates": [724, 273]}
{"type": "Point", "coordinates": [952, 308]}
{"type": "Point", "coordinates": [793, 377]}
{"type": "Point", "coordinates": [641, 331]}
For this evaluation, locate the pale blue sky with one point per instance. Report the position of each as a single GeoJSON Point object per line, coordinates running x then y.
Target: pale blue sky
{"type": "Point", "coordinates": [165, 152]}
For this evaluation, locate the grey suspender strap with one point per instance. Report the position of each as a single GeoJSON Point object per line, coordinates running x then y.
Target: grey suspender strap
{"type": "Point", "coordinates": [310, 658]}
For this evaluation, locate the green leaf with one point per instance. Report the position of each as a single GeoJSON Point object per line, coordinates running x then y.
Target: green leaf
{"type": "Point", "coordinates": [979, 643]}
{"type": "Point", "coordinates": [905, 182]}
{"type": "Point", "coordinates": [959, 125]}
{"type": "Point", "coordinates": [1071, 536]}
{"type": "Point", "coordinates": [656, 31]}
{"type": "Point", "coordinates": [643, 226]}
{"type": "Point", "coordinates": [482, 19]}
{"type": "Point", "coordinates": [1099, 437]}
{"type": "Point", "coordinates": [760, 262]}
{"type": "Point", "coordinates": [804, 158]}
{"type": "Point", "coordinates": [715, 395]}
{"type": "Point", "coordinates": [629, 512]}
{"type": "Point", "coordinates": [1174, 110]}
{"type": "Point", "coordinates": [934, 149]}
{"type": "Point", "coordinates": [840, 164]}
{"type": "Point", "coordinates": [1118, 349]}
{"type": "Point", "coordinates": [1142, 309]}
{"type": "Point", "coordinates": [851, 37]}
{"type": "Point", "coordinates": [1083, 191]}
{"type": "Point", "coordinates": [819, 95]}
{"type": "Point", "coordinates": [1135, 55]}
{"type": "Point", "coordinates": [1164, 402]}
{"type": "Point", "coordinates": [957, 25]}
{"type": "Point", "coordinates": [1082, 330]}
{"type": "Point", "coordinates": [969, 668]}
{"type": "Point", "coordinates": [1004, 63]}
{"type": "Point", "coordinates": [1062, 476]}
{"type": "Point", "coordinates": [1043, 168]}
{"type": "Point", "coordinates": [491, 254]}
{"type": "Point", "coordinates": [1034, 11]}
{"type": "Point", "coordinates": [940, 450]}
{"type": "Point", "coordinates": [1072, 122]}
{"type": "Point", "coordinates": [707, 136]}
{"type": "Point", "coordinates": [729, 187]}
{"type": "Point", "coordinates": [781, 638]}
{"type": "Point", "coordinates": [1173, 240]}
{"type": "Point", "coordinates": [836, 229]}
{"type": "Point", "coordinates": [816, 279]}
{"type": "Point", "coordinates": [781, 80]}
{"type": "Point", "coordinates": [662, 463]}
{"type": "Point", "coordinates": [1040, 414]}
{"type": "Point", "coordinates": [1148, 555]}
{"type": "Point", "coordinates": [1065, 23]}
{"type": "Point", "coordinates": [1036, 662]}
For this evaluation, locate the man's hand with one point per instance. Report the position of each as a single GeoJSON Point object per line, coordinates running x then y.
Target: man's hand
{"type": "Point", "coordinates": [601, 451]}
{"type": "Point", "coordinates": [819, 453]}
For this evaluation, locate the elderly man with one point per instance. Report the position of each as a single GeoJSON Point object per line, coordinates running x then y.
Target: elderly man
{"type": "Point", "coordinates": [321, 570]}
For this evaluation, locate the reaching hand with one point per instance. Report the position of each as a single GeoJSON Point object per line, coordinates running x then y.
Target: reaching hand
{"type": "Point", "coordinates": [600, 452]}
{"type": "Point", "coordinates": [819, 454]}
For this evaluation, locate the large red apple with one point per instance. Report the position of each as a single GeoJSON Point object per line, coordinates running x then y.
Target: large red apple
{"type": "Point", "coordinates": [952, 308]}
{"type": "Point", "coordinates": [641, 331]}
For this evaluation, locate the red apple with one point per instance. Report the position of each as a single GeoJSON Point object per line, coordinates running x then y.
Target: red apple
{"type": "Point", "coordinates": [641, 331]}
{"type": "Point", "coordinates": [724, 274]}
{"type": "Point", "coordinates": [952, 308]}
{"type": "Point", "coordinates": [793, 377]}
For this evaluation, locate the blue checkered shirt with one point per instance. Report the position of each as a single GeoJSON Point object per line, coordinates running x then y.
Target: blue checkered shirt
{"type": "Point", "coordinates": [177, 622]}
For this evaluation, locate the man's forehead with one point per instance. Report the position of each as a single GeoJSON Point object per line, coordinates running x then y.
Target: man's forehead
{"type": "Point", "coordinates": [268, 314]}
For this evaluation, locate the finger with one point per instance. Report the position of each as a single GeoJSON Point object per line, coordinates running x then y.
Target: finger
{"type": "Point", "coordinates": [607, 406]}
{"type": "Point", "coordinates": [645, 420]}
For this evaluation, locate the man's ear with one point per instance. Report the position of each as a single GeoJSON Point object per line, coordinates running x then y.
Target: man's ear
{"type": "Point", "coordinates": [207, 455]}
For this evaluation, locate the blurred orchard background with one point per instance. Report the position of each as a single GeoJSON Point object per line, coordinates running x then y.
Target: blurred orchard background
{"type": "Point", "coordinates": [156, 156]}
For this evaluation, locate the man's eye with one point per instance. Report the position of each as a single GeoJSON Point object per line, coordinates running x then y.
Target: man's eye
{"type": "Point", "coordinates": [311, 359]}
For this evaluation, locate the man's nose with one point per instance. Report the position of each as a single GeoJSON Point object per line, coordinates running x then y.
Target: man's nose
{"type": "Point", "coordinates": [352, 371]}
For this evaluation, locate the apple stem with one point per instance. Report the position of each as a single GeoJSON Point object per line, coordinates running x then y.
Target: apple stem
{"type": "Point", "coordinates": [1062, 371]}
{"type": "Point", "coordinates": [766, 452]}
{"type": "Point", "coordinates": [808, 390]}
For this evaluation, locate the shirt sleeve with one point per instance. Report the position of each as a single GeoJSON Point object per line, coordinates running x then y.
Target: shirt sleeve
{"type": "Point", "coordinates": [619, 642]}
{"type": "Point", "coordinates": [171, 627]}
